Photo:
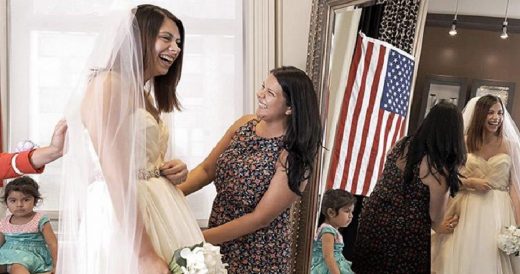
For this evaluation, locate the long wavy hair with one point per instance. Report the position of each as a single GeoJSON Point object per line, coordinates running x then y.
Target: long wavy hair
{"type": "Point", "coordinates": [440, 138]}
{"type": "Point", "coordinates": [303, 135]}
{"type": "Point", "coordinates": [150, 19]}
{"type": "Point", "coordinates": [475, 134]}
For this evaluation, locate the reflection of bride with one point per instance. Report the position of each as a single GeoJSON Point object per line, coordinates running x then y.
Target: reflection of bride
{"type": "Point", "coordinates": [119, 213]}
{"type": "Point", "coordinates": [486, 204]}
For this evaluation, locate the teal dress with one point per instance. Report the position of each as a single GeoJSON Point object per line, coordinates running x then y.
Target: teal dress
{"type": "Point", "coordinates": [25, 244]}
{"type": "Point", "coordinates": [318, 261]}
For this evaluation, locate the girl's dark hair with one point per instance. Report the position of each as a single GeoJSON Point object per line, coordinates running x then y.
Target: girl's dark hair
{"type": "Point", "coordinates": [150, 18]}
{"type": "Point", "coordinates": [440, 138]}
{"type": "Point", "coordinates": [25, 185]}
{"type": "Point", "coordinates": [475, 134]}
{"type": "Point", "coordinates": [303, 135]}
{"type": "Point", "coordinates": [336, 199]}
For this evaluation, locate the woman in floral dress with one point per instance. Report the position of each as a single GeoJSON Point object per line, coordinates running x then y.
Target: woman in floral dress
{"type": "Point", "coordinates": [260, 167]}
{"type": "Point", "coordinates": [410, 197]}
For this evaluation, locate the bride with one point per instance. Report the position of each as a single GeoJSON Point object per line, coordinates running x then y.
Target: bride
{"type": "Point", "coordinates": [488, 200]}
{"type": "Point", "coordinates": [120, 212]}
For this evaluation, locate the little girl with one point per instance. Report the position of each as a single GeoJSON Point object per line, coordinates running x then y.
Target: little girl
{"type": "Point", "coordinates": [327, 257]}
{"type": "Point", "coordinates": [28, 243]}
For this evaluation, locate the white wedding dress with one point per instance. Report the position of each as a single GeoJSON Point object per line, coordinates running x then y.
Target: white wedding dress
{"type": "Point", "coordinates": [167, 218]}
{"type": "Point", "coordinates": [472, 247]}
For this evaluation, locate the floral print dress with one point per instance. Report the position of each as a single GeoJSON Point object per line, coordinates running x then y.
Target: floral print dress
{"type": "Point", "coordinates": [394, 227]}
{"type": "Point", "coordinates": [243, 174]}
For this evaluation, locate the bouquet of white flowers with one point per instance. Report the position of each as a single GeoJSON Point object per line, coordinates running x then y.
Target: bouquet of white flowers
{"type": "Point", "coordinates": [509, 241]}
{"type": "Point", "coordinates": [203, 258]}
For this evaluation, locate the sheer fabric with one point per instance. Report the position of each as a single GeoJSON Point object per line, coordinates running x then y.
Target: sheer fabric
{"type": "Point", "coordinates": [511, 136]}
{"type": "Point", "coordinates": [100, 229]}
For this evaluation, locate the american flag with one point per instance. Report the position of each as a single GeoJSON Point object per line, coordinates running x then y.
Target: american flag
{"type": "Point", "coordinates": [372, 116]}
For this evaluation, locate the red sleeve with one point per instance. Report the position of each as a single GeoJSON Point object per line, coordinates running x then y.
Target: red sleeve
{"type": "Point", "coordinates": [23, 164]}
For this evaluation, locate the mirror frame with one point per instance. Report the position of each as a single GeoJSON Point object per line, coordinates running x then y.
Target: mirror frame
{"type": "Point", "coordinates": [321, 25]}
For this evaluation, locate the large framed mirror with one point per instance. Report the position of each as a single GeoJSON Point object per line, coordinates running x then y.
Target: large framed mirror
{"type": "Point", "coordinates": [334, 30]}
{"type": "Point", "coordinates": [332, 35]}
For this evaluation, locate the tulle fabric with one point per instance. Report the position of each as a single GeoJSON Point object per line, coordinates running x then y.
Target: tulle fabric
{"type": "Point", "coordinates": [472, 247]}
{"type": "Point", "coordinates": [100, 229]}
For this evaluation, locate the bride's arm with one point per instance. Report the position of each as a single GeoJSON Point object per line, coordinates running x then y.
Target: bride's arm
{"type": "Point", "coordinates": [475, 184]}
{"type": "Point", "coordinates": [276, 200]}
{"type": "Point", "coordinates": [515, 199]}
{"type": "Point", "coordinates": [204, 173]}
{"type": "Point", "coordinates": [109, 115]}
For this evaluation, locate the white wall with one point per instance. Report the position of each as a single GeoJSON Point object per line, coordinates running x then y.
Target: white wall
{"type": "Point", "coordinates": [3, 68]}
{"type": "Point", "coordinates": [296, 16]}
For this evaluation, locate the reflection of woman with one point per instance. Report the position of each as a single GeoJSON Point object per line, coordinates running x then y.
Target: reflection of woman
{"type": "Point", "coordinates": [484, 206]}
{"type": "Point", "coordinates": [260, 167]}
{"type": "Point", "coordinates": [131, 218]}
{"type": "Point", "coordinates": [409, 198]}
{"type": "Point", "coordinates": [32, 161]}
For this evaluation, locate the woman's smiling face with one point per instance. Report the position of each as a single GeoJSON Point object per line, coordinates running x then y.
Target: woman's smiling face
{"type": "Point", "coordinates": [166, 49]}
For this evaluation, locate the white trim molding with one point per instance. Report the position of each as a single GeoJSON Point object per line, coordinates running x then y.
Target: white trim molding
{"type": "Point", "coordinates": [3, 71]}
{"type": "Point", "coordinates": [259, 38]}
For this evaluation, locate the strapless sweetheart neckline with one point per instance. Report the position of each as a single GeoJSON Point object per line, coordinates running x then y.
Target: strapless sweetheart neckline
{"type": "Point", "coordinates": [488, 159]}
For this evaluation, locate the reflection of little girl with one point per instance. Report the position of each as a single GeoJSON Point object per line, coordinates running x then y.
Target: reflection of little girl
{"type": "Point", "coordinates": [28, 242]}
{"type": "Point", "coordinates": [327, 257]}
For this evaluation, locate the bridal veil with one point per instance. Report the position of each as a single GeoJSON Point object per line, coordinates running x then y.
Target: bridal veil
{"type": "Point", "coordinates": [100, 229]}
{"type": "Point", "coordinates": [511, 136]}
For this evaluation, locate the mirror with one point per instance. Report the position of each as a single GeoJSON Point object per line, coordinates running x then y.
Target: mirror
{"type": "Point", "coordinates": [452, 60]}
{"type": "Point", "coordinates": [333, 25]}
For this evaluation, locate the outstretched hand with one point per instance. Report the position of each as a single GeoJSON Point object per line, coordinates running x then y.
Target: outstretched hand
{"type": "Point", "coordinates": [175, 170]}
{"type": "Point", "coordinates": [58, 137]}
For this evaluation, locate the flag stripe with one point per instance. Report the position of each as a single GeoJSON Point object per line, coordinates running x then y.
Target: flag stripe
{"type": "Point", "coordinates": [342, 116]}
{"type": "Point", "coordinates": [357, 108]}
{"type": "Point", "coordinates": [367, 122]}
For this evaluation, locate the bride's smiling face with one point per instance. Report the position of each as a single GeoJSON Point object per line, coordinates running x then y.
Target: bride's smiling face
{"type": "Point", "coordinates": [494, 118]}
{"type": "Point", "coordinates": [166, 49]}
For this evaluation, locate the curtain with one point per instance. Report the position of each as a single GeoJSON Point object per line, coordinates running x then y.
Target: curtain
{"type": "Point", "coordinates": [399, 22]}
{"type": "Point", "coordinates": [370, 21]}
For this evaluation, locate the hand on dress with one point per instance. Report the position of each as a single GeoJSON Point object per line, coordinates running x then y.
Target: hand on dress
{"type": "Point", "coordinates": [153, 264]}
{"type": "Point", "coordinates": [478, 184]}
{"type": "Point", "coordinates": [175, 170]}
{"type": "Point", "coordinates": [448, 225]}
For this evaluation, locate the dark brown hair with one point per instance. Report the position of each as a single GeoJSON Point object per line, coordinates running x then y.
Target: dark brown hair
{"type": "Point", "coordinates": [25, 185]}
{"type": "Point", "coordinates": [304, 131]}
{"type": "Point", "coordinates": [440, 138]}
{"type": "Point", "coordinates": [475, 134]}
{"type": "Point", "coordinates": [335, 199]}
{"type": "Point", "coordinates": [150, 19]}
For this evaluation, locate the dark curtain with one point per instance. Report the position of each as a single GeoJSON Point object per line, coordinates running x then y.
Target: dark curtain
{"type": "Point", "coordinates": [399, 22]}
{"type": "Point", "coordinates": [370, 20]}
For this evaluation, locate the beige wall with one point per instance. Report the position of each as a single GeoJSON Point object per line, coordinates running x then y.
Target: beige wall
{"type": "Point", "coordinates": [296, 16]}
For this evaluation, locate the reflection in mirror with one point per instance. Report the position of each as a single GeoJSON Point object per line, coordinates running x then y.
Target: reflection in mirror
{"type": "Point", "coordinates": [440, 88]}
{"type": "Point", "coordinates": [331, 46]}
{"type": "Point", "coordinates": [332, 40]}
{"type": "Point", "coordinates": [333, 30]}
